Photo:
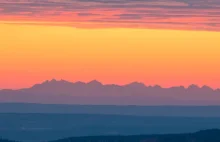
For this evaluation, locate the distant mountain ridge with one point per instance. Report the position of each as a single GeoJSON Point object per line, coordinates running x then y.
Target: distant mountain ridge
{"type": "Point", "coordinates": [95, 92]}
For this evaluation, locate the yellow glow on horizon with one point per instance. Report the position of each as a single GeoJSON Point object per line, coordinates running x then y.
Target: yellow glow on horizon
{"type": "Point", "coordinates": [32, 53]}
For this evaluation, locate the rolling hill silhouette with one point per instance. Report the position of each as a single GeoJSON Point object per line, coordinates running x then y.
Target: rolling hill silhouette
{"type": "Point", "coordinates": [94, 92]}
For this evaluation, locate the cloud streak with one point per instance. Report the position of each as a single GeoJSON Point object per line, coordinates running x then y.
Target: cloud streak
{"type": "Point", "coordinates": [172, 14]}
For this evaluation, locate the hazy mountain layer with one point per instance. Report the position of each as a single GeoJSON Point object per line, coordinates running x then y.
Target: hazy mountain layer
{"type": "Point", "coordinates": [94, 92]}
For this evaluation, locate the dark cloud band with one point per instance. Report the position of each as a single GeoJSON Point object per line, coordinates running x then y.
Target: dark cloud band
{"type": "Point", "coordinates": [192, 14]}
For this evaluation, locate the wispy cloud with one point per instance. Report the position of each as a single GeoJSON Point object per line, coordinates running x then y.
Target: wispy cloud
{"type": "Point", "coordinates": [174, 14]}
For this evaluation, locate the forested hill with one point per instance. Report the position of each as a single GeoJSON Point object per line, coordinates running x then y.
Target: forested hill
{"type": "Point", "coordinates": [212, 135]}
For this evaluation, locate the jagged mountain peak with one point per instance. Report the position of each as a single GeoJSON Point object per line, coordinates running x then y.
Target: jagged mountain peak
{"type": "Point", "coordinates": [94, 82]}
{"type": "Point", "coordinates": [193, 86]}
{"type": "Point", "coordinates": [206, 87]}
{"type": "Point", "coordinates": [136, 84]}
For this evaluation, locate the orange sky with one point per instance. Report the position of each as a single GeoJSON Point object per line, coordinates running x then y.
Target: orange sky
{"type": "Point", "coordinates": [30, 54]}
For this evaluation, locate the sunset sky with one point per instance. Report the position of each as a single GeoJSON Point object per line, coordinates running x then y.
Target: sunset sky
{"type": "Point", "coordinates": [164, 42]}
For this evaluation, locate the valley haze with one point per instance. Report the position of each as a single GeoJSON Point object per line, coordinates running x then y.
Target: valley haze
{"type": "Point", "coordinates": [170, 111]}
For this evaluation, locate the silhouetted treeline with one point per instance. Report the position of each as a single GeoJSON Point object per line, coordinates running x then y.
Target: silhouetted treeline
{"type": "Point", "coordinates": [201, 136]}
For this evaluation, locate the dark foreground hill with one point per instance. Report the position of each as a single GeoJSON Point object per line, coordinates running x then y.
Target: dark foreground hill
{"type": "Point", "coordinates": [201, 136]}
{"type": "Point", "coordinates": [4, 140]}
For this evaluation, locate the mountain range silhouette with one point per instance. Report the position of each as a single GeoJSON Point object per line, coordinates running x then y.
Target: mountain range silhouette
{"type": "Point", "coordinates": [94, 92]}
